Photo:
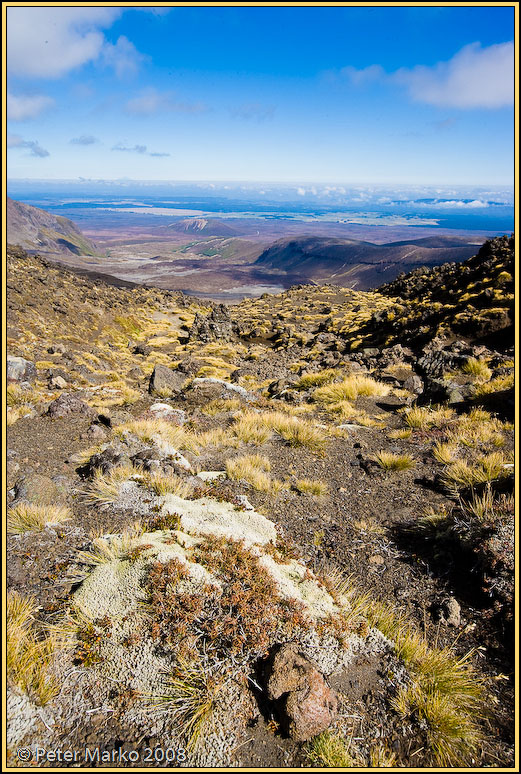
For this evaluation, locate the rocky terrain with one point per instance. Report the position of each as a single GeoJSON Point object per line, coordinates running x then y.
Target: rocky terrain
{"type": "Point", "coordinates": [39, 231]}
{"type": "Point", "coordinates": [228, 259]}
{"type": "Point", "coordinates": [357, 264]}
{"type": "Point", "coordinates": [276, 534]}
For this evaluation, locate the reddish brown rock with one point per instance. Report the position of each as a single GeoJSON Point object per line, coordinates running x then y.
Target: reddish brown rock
{"type": "Point", "coordinates": [307, 704]}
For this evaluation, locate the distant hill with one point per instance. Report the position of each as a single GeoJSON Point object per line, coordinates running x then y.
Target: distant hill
{"type": "Point", "coordinates": [359, 264]}
{"type": "Point", "coordinates": [39, 231]}
{"type": "Point", "coordinates": [204, 226]}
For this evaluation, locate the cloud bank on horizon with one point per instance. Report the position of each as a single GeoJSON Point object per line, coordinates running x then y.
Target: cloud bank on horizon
{"type": "Point", "coordinates": [426, 95]}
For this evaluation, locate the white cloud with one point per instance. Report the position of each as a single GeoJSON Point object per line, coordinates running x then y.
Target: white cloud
{"type": "Point", "coordinates": [21, 108]}
{"type": "Point", "coordinates": [128, 149]}
{"type": "Point", "coordinates": [475, 77]}
{"type": "Point", "coordinates": [48, 42]}
{"type": "Point", "coordinates": [152, 101]}
{"type": "Point", "coordinates": [34, 148]}
{"type": "Point", "coordinates": [122, 56]}
{"type": "Point", "coordinates": [84, 139]}
{"type": "Point", "coordinates": [364, 76]}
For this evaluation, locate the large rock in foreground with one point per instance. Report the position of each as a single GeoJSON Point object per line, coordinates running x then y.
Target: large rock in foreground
{"type": "Point", "coordinates": [308, 706]}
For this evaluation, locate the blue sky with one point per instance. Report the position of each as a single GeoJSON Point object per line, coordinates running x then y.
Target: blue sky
{"type": "Point", "coordinates": [312, 94]}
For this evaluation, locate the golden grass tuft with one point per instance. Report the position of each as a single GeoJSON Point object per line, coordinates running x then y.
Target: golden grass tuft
{"type": "Point", "coordinates": [251, 428]}
{"type": "Point", "coordinates": [30, 517]}
{"type": "Point", "coordinates": [402, 434]}
{"type": "Point", "coordinates": [318, 379]}
{"type": "Point", "coordinates": [444, 452]}
{"type": "Point", "coordinates": [330, 750]}
{"type": "Point", "coordinates": [477, 369]}
{"type": "Point", "coordinates": [394, 462]}
{"type": "Point", "coordinates": [191, 699]}
{"type": "Point", "coordinates": [465, 475]}
{"type": "Point", "coordinates": [166, 483]}
{"type": "Point", "coordinates": [28, 657]}
{"type": "Point", "coordinates": [309, 486]}
{"type": "Point", "coordinates": [296, 431]}
{"type": "Point", "coordinates": [104, 489]}
{"type": "Point", "coordinates": [255, 470]}
{"type": "Point", "coordinates": [350, 389]}
{"type": "Point", "coordinates": [446, 691]}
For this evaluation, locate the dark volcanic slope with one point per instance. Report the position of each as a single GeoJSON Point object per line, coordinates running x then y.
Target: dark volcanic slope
{"type": "Point", "coordinates": [359, 264]}
{"type": "Point", "coordinates": [38, 230]}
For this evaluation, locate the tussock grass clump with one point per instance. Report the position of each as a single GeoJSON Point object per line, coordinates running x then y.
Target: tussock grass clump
{"type": "Point", "coordinates": [221, 405]}
{"type": "Point", "coordinates": [107, 549]}
{"type": "Point", "coordinates": [478, 428]}
{"type": "Point", "coordinates": [395, 462]}
{"type": "Point", "coordinates": [422, 418]}
{"type": "Point", "coordinates": [498, 384]}
{"type": "Point", "coordinates": [477, 369]}
{"type": "Point", "coordinates": [30, 517]}
{"type": "Point", "coordinates": [258, 428]}
{"type": "Point", "coordinates": [350, 389]}
{"type": "Point", "coordinates": [296, 432]}
{"type": "Point", "coordinates": [445, 692]}
{"type": "Point", "coordinates": [309, 486]}
{"type": "Point", "coordinates": [255, 470]}
{"type": "Point", "coordinates": [191, 698]}
{"type": "Point", "coordinates": [326, 376]}
{"type": "Point", "coordinates": [402, 434]}
{"type": "Point", "coordinates": [28, 657]}
{"type": "Point", "coordinates": [330, 751]}
{"type": "Point", "coordinates": [251, 428]}
{"type": "Point", "coordinates": [444, 452]}
{"type": "Point", "coordinates": [104, 489]}
{"type": "Point", "coordinates": [219, 436]}
{"type": "Point", "coordinates": [464, 475]}
{"type": "Point", "coordinates": [166, 483]}
{"type": "Point", "coordinates": [381, 757]}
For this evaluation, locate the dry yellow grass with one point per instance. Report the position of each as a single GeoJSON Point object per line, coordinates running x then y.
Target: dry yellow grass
{"type": "Point", "coordinates": [394, 462]}
{"type": "Point", "coordinates": [478, 369]}
{"type": "Point", "coordinates": [166, 483]}
{"type": "Point", "coordinates": [254, 469]}
{"type": "Point", "coordinates": [28, 657]}
{"type": "Point", "coordinates": [309, 486]}
{"type": "Point", "coordinates": [30, 517]}
{"type": "Point", "coordinates": [104, 489]}
{"type": "Point", "coordinates": [349, 389]}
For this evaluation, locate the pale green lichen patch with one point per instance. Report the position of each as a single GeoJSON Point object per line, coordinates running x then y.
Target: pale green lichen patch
{"type": "Point", "coordinates": [206, 516]}
{"type": "Point", "coordinates": [294, 581]}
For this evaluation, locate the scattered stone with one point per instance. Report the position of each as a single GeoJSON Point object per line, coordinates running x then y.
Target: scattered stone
{"type": "Point", "coordinates": [414, 384]}
{"type": "Point", "coordinates": [307, 706]}
{"type": "Point", "coordinates": [142, 349]}
{"type": "Point", "coordinates": [190, 365]}
{"type": "Point", "coordinates": [165, 380]}
{"type": "Point", "coordinates": [94, 433]}
{"type": "Point", "coordinates": [105, 461]}
{"type": "Point", "coordinates": [216, 326]}
{"type": "Point", "coordinates": [448, 612]}
{"type": "Point", "coordinates": [67, 404]}
{"type": "Point", "coordinates": [20, 370]}
{"type": "Point", "coordinates": [37, 488]}
{"type": "Point", "coordinates": [56, 349]}
{"type": "Point", "coordinates": [57, 383]}
{"type": "Point", "coordinates": [177, 416]}
{"type": "Point", "coordinates": [228, 386]}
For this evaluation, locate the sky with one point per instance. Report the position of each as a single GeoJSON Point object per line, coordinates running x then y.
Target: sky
{"type": "Point", "coordinates": [376, 95]}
